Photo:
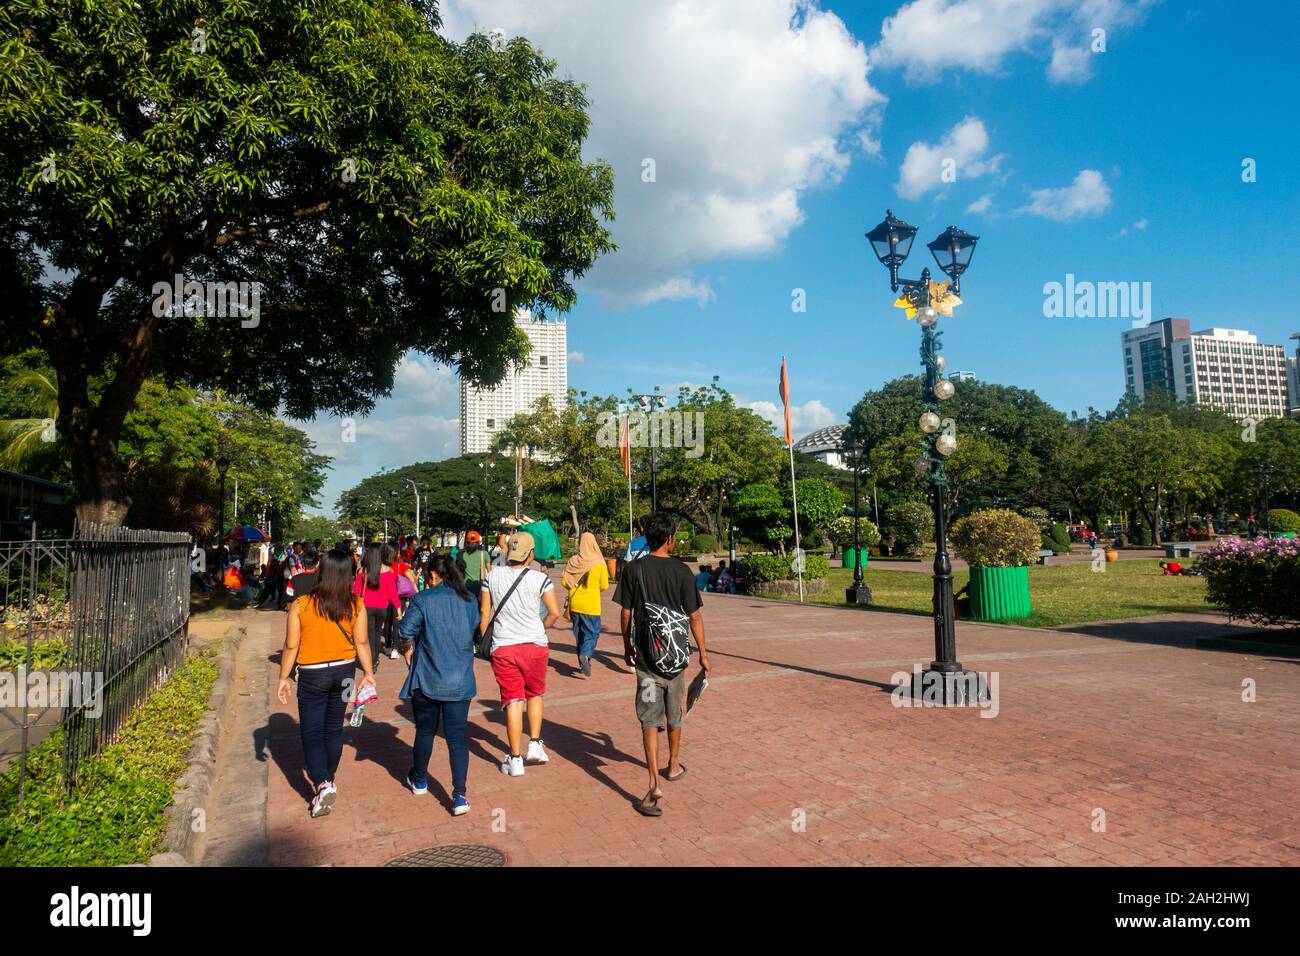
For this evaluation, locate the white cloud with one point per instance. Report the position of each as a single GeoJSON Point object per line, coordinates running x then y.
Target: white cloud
{"type": "Point", "coordinates": [1140, 225]}
{"type": "Point", "coordinates": [804, 418]}
{"type": "Point", "coordinates": [1088, 195]}
{"type": "Point", "coordinates": [927, 37]}
{"type": "Point", "coordinates": [742, 104]}
{"type": "Point", "coordinates": [576, 358]}
{"type": "Point", "coordinates": [962, 150]}
{"type": "Point", "coordinates": [981, 205]}
{"type": "Point", "coordinates": [419, 421]}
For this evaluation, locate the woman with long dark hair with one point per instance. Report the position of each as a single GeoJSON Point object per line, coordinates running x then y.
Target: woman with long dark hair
{"type": "Point", "coordinates": [438, 643]}
{"type": "Point", "coordinates": [327, 637]}
{"type": "Point", "coordinates": [376, 585]}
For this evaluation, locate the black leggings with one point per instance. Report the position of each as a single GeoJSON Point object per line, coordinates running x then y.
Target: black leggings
{"type": "Point", "coordinates": [379, 627]}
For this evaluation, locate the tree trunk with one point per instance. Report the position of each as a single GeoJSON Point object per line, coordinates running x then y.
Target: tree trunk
{"type": "Point", "coordinates": [97, 473]}
{"type": "Point", "coordinates": [573, 512]}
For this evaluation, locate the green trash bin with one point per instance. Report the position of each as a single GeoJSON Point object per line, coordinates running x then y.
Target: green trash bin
{"type": "Point", "coordinates": [999, 594]}
{"type": "Point", "coordinates": [851, 557]}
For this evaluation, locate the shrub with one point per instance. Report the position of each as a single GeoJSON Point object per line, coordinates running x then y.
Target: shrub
{"type": "Point", "coordinates": [762, 568]}
{"type": "Point", "coordinates": [1256, 581]}
{"type": "Point", "coordinates": [1282, 519]}
{"type": "Point", "coordinates": [995, 538]}
{"type": "Point", "coordinates": [1058, 539]}
{"type": "Point", "coordinates": [842, 532]}
{"type": "Point", "coordinates": [704, 544]}
{"type": "Point", "coordinates": [117, 811]}
{"type": "Point", "coordinates": [912, 525]}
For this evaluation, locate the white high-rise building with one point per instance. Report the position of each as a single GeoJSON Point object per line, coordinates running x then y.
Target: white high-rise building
{"type": "Point", "coordinates": [485, 412]}
{"type": "Point", "coordinates": [1228, 369]}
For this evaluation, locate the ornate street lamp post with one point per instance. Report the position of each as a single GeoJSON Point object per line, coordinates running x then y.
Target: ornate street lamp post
{"type": "Point", "coordinates": [892, 241]}
{"type": "Point", "coordinates": [858, 593]}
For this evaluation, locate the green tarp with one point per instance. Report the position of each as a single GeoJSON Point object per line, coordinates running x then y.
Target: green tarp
{"type": "Point", "coordinates": [546, 544]}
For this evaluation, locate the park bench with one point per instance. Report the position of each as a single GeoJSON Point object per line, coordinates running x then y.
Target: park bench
{"type": "Point", "coordinates": [1044, 555]}
{"type": "Point", "coordinates": [1181, 549]}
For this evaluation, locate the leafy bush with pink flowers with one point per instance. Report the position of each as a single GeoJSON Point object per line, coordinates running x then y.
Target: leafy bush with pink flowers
{"type": "Point", "coordinates": [1256, 581]}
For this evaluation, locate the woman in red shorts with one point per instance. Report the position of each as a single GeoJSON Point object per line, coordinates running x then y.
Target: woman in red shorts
{"type": "Point", "coordinates": [511, 602]}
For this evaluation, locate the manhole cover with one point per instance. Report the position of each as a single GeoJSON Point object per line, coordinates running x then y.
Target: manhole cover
{"type": "Point", "coordinates": [466, 855]}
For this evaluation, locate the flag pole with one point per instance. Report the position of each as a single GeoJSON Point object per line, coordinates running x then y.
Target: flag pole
{"type": "Point", "coordinates": [794, 497]}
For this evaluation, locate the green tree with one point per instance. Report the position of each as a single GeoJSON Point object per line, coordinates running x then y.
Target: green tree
{"type": "Point", "coordinates": [820, 504]}
{"type": "Point", "coordinates": [386, 188]}
{"type": "Point", "coordinates": [762, 515]}
{"type": "Point", "coordinates": [577, 449]}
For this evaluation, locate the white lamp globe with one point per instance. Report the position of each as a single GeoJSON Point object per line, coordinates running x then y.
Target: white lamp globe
{"type": "Point", "coordinates": [927, 316]}
{"type": "Point", "coordinates": [943, 389]}
{"type": "Point", "coordinates": [929, 422]}
{"type": "Point", "coordinates": [922, 466]}
{"type": "Point", "coordinates": [945, 445]}
{"type": "Point", "coordinates": [940, 362]}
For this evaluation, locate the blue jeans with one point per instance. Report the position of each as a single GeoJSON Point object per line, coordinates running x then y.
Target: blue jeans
{"type": "Point", "coordinates": [453, 715]}
{"type": "Point", "coordinates": [322, 700]}
{"type": "Point", "coordinates": [586, 630]}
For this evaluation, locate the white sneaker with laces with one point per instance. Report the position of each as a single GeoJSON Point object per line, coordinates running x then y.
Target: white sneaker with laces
{"type": "Point", "coordinates": [536, 752]}
{"type": "Point", "coordinates": [393, 655]}
{"type": "Point", "coordinates": [323, 802]}
{"type": "Point", "coordinates": [513, 766]}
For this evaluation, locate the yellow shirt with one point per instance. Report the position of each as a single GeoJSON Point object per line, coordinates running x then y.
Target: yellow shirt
{"type": "Point", "coordinates": [586, 599]}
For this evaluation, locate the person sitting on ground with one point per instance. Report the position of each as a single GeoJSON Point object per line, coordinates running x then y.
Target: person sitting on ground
{"type": "Point", "coordinates": [726, 580]}
{"type": "Point", "coordinates": [704, 577]}
{"type": "Point", "coordinates": [1171, 567]}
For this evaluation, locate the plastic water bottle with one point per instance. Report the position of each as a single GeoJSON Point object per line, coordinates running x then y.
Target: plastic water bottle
{"type": "Point", "coordinates": [358, 714]}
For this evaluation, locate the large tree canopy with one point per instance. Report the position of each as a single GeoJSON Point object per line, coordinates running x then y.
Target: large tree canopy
{"type": "Point", "coordinates": [386, 188]}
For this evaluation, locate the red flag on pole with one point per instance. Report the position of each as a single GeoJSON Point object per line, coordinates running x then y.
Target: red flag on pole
{"type": "Point", "coordinates": [624, 449]}
{"type": "Point", "coordinates": [785, 400]}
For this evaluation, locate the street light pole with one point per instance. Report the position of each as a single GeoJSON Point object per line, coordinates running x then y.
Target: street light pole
{"type": "Point", "coordinates": [859, 593]}
{"type": "Point", "coordinates": [223, 465]}
{"type": "Point", "coordinates": [731, 521]}
{"type": "Point", "coordinates": [653, 401]}
{"type": "Point", "coordinates": [417, 506]}
{"type": "Point", "coordinates": [892, 241]}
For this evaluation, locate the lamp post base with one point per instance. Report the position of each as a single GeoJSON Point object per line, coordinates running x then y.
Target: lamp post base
{"type": "Point", "coordinates": [947, 685]}
{"type": "Point", "coordinates": [857, 594]}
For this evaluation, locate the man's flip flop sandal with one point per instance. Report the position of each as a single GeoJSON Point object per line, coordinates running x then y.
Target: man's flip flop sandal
{"type": "Point", "coordinates": [650, 810]}
{"type": "Point", "coordinates": [669, 777]}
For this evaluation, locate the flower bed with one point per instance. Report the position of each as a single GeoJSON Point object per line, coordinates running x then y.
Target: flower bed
{"type": "Point", "coordinates": [1256, 581]}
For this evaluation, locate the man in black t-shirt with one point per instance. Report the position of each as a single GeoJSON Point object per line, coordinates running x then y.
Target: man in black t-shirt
{"type": "Point", "coordinates": [661, 612]}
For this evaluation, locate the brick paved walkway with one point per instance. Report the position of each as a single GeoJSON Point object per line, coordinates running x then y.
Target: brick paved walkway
{"type": "Point", "coordinates": [797, 755]}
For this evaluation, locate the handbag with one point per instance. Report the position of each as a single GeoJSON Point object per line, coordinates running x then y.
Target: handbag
{"type": "Point", "coordinates": [485, 642]}
{"type": "Point", "coordinates": [405, 589]}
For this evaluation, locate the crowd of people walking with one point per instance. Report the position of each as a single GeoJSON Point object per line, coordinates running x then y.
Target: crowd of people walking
{"type": "Point", "coordinates": [353, 608]}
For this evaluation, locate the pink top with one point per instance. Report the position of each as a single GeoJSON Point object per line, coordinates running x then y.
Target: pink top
{"type": "Point", "coordinates": [382, 596]}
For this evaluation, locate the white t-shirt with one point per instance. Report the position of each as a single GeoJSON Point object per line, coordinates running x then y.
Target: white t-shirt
{"type": "Point", "coordinates": [520, 620]}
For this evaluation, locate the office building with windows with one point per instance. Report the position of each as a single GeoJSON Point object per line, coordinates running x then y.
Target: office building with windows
{"type": "Point", "coordinates": [1227, 369]}
{"type": "Point", "coordinates": [485, 412]}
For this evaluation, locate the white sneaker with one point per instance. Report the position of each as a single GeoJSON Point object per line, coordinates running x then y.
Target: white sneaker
{"type": "Point", "coordinates": [323, 802]}
{"type": "Point", "coordinates": [513, 766]}
{"type": "Point", "coordinates": [393, 655]}
{"type": "Point", "coordinates": [536, 752]}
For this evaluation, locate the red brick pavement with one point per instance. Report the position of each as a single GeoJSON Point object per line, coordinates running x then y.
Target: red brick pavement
{"type": "Point", "coordinates": [796, 755]}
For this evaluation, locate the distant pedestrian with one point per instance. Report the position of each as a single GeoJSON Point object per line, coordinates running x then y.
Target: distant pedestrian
{"type": "Point", "coordinates": [473, 563]}
{"type": "Point", "coordinates": [326, 637]}
{"type": "Point", "coordinates": [661, 610]}
{"type": "Point", "coordinates": [437, 635]}
{"type": "Point", "coordinates": [585, 576]}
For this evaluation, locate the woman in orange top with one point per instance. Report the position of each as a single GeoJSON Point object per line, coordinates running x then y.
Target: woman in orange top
{"type": "Point", "coordinates": [326, 637]}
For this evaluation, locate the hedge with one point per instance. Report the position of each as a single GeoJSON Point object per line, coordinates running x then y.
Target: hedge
{"type": "Point", "coordinates": [762, 568]}
{"type": "Point", "coordinates": [1282, 519]}
{"type": "Point", "coordinates": [704, 544]}
{"type": "Point", "coordinates": [1256, 581]}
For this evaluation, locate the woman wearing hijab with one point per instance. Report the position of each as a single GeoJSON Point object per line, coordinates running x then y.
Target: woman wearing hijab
{"type": "Point", "coordinates": [585, 576]}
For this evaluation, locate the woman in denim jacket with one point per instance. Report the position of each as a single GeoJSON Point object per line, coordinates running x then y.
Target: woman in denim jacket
{"type": "Point", "coordinates": [437, 633]}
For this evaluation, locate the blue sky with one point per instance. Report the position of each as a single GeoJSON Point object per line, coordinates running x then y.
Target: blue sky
{"type": "Point", "coordinates": [781, 131]}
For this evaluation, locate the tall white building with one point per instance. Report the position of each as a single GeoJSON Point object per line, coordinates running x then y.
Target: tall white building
{"type": "Point", "coordinates": [1293, 377]}
{"type": "Point", "coordinates": [1228, 369]}
{"type": "Point", "coordinates": [484, 412]}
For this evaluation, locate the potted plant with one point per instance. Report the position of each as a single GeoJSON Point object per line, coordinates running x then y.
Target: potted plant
{"type": "Point", "coordinates": [998, 544]}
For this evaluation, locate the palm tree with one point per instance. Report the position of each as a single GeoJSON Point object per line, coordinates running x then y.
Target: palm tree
{"type": "Point", "coordinates": [23, 440]}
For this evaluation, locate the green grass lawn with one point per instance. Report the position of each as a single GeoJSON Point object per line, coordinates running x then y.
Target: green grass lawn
{"type": "Point", "coordinates": [1061, 594]}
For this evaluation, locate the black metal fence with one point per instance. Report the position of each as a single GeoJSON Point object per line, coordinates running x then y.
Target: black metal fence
{"type": "Point", "coordinates": [105, 615]}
